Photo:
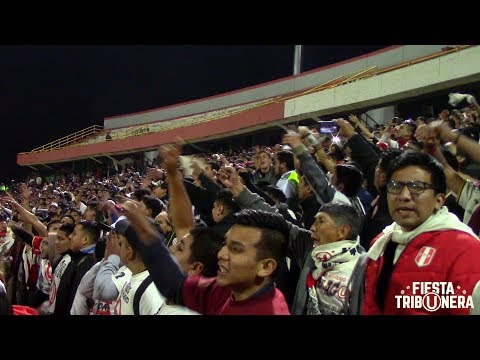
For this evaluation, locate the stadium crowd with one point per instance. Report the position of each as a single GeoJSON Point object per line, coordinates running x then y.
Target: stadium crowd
{"type": "Point", "coordinates": [359, 221]}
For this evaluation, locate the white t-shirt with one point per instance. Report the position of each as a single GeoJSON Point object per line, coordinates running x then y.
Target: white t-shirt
{"type": "Point", "coordinates": [150, 302]}
{"type": "Point", "coordinates": [107, 307]}
{"type": "Point", "coordinates": [122, 276]}
{"type": "Point", "coordinates": [57, 276]}
{"type": "Point", "coordinates": [175, 310]}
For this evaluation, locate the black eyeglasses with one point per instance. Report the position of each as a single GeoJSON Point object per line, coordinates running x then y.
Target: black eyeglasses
{"type": "Point", "coordinates": [414, 187]}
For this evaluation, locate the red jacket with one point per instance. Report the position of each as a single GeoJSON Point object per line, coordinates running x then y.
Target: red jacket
{"type": "Point", "coordinates": [438, 256]}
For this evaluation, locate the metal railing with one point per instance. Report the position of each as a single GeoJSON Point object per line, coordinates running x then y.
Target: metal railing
{"type": "Point", "coordinates": [74, 138]}
{"type": "Point", "coordinates": [69, 139]}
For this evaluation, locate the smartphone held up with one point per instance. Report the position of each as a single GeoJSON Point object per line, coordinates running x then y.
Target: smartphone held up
{"type": "Point", "coordinates": [328, 127]}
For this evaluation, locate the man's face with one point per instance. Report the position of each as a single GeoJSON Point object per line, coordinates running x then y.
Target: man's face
{"type": "Point", "coordinates": [67, 220]}
{"type": "Point", "coordinates": [89, 214]}
{"type": "Point", "coordinates": [304, 190]}
{"type": "Point", "coordinates": [3, 226]}
{"type": "Point", "coordinates": [44, 249]}
{"type": "Point", "coordinates": [209, 171]}
{"type": "Point", "coordinates": [144, 210]}
{"type": "Point", "coordinates": [77, 238]}
{"type": "Point", "coordinates": [54, 227]}
{"type": "Point", "coordinates": [62, 242]}
{"type": "Point", "coordinates": [264, 161]}
{"type": "Point", "coordinates": [237, 260]}
{"type": "Point", "coordinates": [125, 249]}
{"type": "Point", "coordinates": [162, 220]}
{"type": "Point", "coordinates": [76, 216]}
{"type": "Point", "coordinates": [407, 210]}
{"type": "Point", "coordinates": [277, 168]}
{"type": "Point", "coordinates": [324, 230]}
{"type": "Point", "coordinates": [217, 212]}
{"type": "Point", "coordinates": [401, 131]}
{"type": "Point", "coordinates": [181, 249]}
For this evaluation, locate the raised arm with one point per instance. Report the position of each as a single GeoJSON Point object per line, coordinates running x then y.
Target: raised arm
{"type": "Point", "coordinates": [317, 179]}
{"type": "Point", "coordinates": [27, 215]}
{"type": "Point", "coordinates": [166, 273]}
{"type": "Point", "coordinates": [180, 205]}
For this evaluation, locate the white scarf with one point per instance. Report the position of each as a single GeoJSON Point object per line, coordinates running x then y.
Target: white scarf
{"type": "Point", "coordinates": [332, 255]}
{"type": "Point", "coordinates": [441, 220]}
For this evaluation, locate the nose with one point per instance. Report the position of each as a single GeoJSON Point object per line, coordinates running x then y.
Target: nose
{"type": "Point", "coordinates": [223, 253]}
{"type": "Point", "coordinates": [405, 194]}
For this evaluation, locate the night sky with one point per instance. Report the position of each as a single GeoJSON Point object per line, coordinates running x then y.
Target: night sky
{"type": "Point", "coordinates": [47, 92]}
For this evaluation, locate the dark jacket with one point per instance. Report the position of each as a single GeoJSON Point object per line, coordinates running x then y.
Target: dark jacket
{"type": "Point", "coordinates": [310, 207]}
{"type": "Point", "coordinates": [224, 225]}
{"type": "Point", "coordinates": [71, 278]}
{"type": "Point", "coordinates": [375, 221]}
{"type": "Point", "coordinates": [366, 157]}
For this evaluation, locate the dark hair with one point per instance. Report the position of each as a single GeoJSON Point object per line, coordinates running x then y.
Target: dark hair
{"type": "Point", "coordinates": [343, 214]}
{"type": "Point", "coordinates": [49, 225]}
{"type": "Point", "coordinates": [138, 194]}
{"type": "Point", "coordinates": [214, 165]}
{"type": "Point", "coordinates": [225, 197]}
{"type": "Point", "coordinates": [336, 153]}
{"type": "Point", "coordinates": [387, 158]}
{"type": "Point", "coordinates": [67, 228]}
{"type": "Point", "coordinates": [75, 210]}
{"type": "Point", "coordinates": [68, 216]}
{"type": "Point", "coordinates": [425, 162]}
{"type": "Point", "coordinates": [262, 184]}
{"type": "Point", "coordinates": [287, 158]}
{"type": "Point", "coordinates": [266, 152]}
{"type": "Point", "coordinates": [91, 229]}
{"type": "Point", "coordinates": [275, 193]}
{"type": "Point", "coordinates": [154, 204]}
{"type": "Point", "coordinates": [274, 233]}
{"type": "Point", "coordinates": [205, 247]}
{"type": "Point", "coordinates": [350, 177]}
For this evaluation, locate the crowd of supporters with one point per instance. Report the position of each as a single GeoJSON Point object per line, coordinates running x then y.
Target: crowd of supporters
{"type": "Point", "coordinates": [360, 221]}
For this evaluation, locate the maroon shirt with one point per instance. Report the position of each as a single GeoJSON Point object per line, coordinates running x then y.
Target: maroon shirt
{"type": "Point", "coordinates": [206, 297]}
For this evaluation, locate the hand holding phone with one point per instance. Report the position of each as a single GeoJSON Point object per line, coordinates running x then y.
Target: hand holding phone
{"type": "Point", "coordinates": [328, 127]}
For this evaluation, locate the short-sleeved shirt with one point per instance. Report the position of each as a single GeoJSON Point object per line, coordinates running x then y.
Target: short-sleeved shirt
{"type": "Point", "coordinates": [150, 302]}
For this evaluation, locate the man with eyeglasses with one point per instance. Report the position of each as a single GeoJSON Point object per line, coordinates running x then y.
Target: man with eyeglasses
{"type": "Point", "coordinates": [425, 245]}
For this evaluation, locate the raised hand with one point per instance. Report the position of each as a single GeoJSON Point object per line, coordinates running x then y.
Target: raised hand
{"type": "Point", "coordinates": [345, 128]}
{"type": "Point", "coordinates": [144, 229]}
{"type": "Point", "coordinates": [197, 169]}
{"type": "Point", "coordinates": [171, 156]}
{"type": "Point", "coordinates": [230, 178]}
{"type": "Point", "coordinates": [112, 246]}
{"type": "Point", "coordinates": [293, 139]}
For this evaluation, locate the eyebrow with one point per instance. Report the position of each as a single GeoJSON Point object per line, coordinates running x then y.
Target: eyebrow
{"type": "Point", "coordinates": [235, 242]}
